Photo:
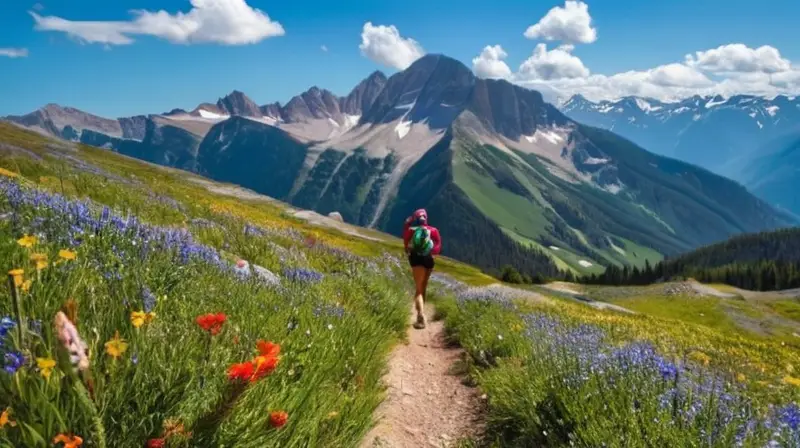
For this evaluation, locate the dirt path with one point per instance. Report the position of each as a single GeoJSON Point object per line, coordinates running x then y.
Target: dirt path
{"type": "Point", "coordinates": [426, 405]}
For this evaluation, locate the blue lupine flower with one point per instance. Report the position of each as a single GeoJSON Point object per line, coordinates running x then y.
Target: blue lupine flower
{"type": "Point", "coordinates": [303, 275]}
{"type": "Point", "coordinates": [13, 361]}
{"type": "Point", "coordinates": [6, 324]}
{"type": "Point", "coordinates": [148, 299]}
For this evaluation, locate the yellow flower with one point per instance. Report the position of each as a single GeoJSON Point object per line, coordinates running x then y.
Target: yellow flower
{"type": "Point", "coordinates": [27, 241]}
{"type": "Point", "coordinates": [67, 254]}
{"type": "Point", "coordinates": [5, 419]}
{"type": "Point", "coordinates": [741, 378]}
{"type": "Point", "coordinates": [40, 260]}
{"type": "Point", "coordinates": [46, 366]}
{"type": "Point", "coordinates": [7, 173]}
{"type": "Point", "coordinates": [116, 346]}
{"type": "Point", "coordinates": [791, 380]}
{"type": "Point", "coordinates": [332, 414]}
{"type": "Point", "coordinates": [26, 285]}
{"type": "Point", "coordinates": [139, 318]}
{"type": "Point", "coordinates": [700, 357]}
{"type": "Point", "coordinates": [17, 274]}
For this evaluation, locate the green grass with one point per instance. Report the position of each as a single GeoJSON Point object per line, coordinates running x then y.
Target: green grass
{"type": "Point", "coordinates": [706, 311]}
{"type": "Point", "coordinates": [789, 309]}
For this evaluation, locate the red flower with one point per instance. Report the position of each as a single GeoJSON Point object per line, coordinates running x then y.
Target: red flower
{"type": "Point", "coordinates": [268, 349]}
{"type": "Point", "coordinates": [155, 443]}
{"type": "Point", "coordinates": [242, 371]}
{"type": "Point", "coordinates": [263, 366]}
{"type": "Point", "coordinates": [278, 418]}
{"type": "Point", "coordinates": [212, 323]}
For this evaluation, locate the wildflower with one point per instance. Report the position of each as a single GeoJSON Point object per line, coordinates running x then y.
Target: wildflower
{"type": "Point", "coordinates": [6, 324]}
{"type": "Point", "coordinates": [139, 318]}
{"type": "Point", "coordinates": [7, 173]}
{"type": "Point", "coordinates": [40, 260]}
{"type": "Point", "coordinates": [148, 299]}
{"type": "Point", "coordinates": [241, 372]}
{"type": "Point", "coordinates": [66, 254]}
{"type": "Point", "coordinates": [46, 366]}
{"type": "Point", "coordinates": [791, 380]}
{"type": "Point", "coordinates": [5, 419]}
{"type": "Point", "coordinates": [156, 443]}
{"type": "Point", "coordinates": [71, 341]}
{"type": "Point", "coordinates": [741, 378]}
{"type": "Point", "coordinates": [278, 418]}
{"type": "Point", "coordinates": [263, 366]}
{"type": "Point", "coordinates": [68, 441]}
{"type": "Point", "coordinates": [174, 427]}
{"type": "Point", "coordinates": [13, 362]}
{"type": "Point", "coordinates": [242, 268]}
{"type": "Point", "coordinates": [700, 357]}
{"type": "Point", "coordinates": [27, 241]}
{"type": "Point", "coordinates": [116, 346]}
{"type": "Point", "coordinates": [17, 275]}
{"type": "Point", "coordinates": [268, 349]}
{"type": "Point", "coordinates": [26, 285]}
{"type": "Point", "coordinates": [332, 415]}
{"type": "Point", "coordinates": [212, 323]}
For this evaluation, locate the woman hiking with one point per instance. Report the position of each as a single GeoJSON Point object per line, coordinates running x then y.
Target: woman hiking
{"type": "Point", "coordinates": [421, 243]}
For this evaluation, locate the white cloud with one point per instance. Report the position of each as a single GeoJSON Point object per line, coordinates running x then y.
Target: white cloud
{"type": "Point", "coordinates": [570, 23]}
{"type": "Point", "coordinates": [384, 45]}
{"type": "Point", "coordinates": [490, 64]}
{"type": "Point", "coordinates": [324, 48]}
{"type": "Point", "coordinates": [14, 52]}
{"type": "Point", "coordinates": [738, 58]}
{"type": "Point", "coordinates": [229, 22]}
{"type": "Point", "coordinates": [559, 74]}
{"type": "Point", "coordinates": [554, 64]}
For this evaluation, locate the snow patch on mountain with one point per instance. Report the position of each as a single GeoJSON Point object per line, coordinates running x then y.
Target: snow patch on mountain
{"type": "Point", "coordinates": [772, 110]}
{"type": "Point", "coordinates": [212, 115]}
{"type": "Point", "coordinates": [403, 128]}
{"type": "Point", "coordinates": [645, 106]}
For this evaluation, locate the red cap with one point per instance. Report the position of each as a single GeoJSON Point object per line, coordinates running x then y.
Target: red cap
{"type": "Point", "coordinates": [421, 214]}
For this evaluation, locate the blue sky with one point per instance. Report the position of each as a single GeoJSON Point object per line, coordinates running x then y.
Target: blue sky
{"type": "Point", "coordinates": [633, 45]}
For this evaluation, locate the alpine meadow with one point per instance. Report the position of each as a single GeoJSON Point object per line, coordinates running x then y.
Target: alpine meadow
{"type": "Point", "coordinates": [586, 237]}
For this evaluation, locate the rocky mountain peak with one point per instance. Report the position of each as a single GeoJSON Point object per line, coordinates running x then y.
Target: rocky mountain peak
{"type": "Point", "coordinates": [237, 103]}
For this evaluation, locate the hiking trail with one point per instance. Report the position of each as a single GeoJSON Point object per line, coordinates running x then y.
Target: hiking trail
{"type": "Point", "coordinates": [427, 405]}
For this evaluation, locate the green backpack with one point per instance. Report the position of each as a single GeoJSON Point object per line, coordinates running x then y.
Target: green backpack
{"type": "Point", "coordinates": [421, 243]}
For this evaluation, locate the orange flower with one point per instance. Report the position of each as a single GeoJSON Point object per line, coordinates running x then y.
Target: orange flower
{"type": "Point", "coordinates": [156, 443]}
{"type": "Point", "coordinates": [212, 323]}
{"type": "Point", "coordinates": [68, 441]}
{"type": "Point", "coordinates": [5, 419]}
{"type": "Point", "coordinates": [278, 418]}
{"type": "Point", "coordinates": [241, 372]}
{"type": "Point", "coordinates": [268, 349]}
{"type": "Point", "coordinates": [263, 366]}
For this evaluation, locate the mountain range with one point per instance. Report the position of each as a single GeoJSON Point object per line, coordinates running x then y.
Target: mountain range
{"type": "Point", "coordinates": [507, 177]}
{"type": "Point", "coordinates": [712, 132]}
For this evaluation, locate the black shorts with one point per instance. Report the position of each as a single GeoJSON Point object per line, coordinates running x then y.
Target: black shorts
{"type": "Point", "coordinates": [425, 261]}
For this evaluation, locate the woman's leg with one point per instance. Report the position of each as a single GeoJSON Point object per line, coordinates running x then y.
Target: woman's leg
{"type": "Point", "coordinates": [419, 296]}
{"type": "Point", "coordinates": [428, 273]}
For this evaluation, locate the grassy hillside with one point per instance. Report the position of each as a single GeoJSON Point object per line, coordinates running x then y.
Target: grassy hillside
{"type": "Point", "coordinates": [111, 240]}
{"type": "Point", "coordinates": [138, 256]}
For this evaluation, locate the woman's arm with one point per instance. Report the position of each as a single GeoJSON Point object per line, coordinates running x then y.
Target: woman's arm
{"type": "Point", "coordinates": [407, 233]}
{"type": "Point", "coordinates": [437, 241]}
